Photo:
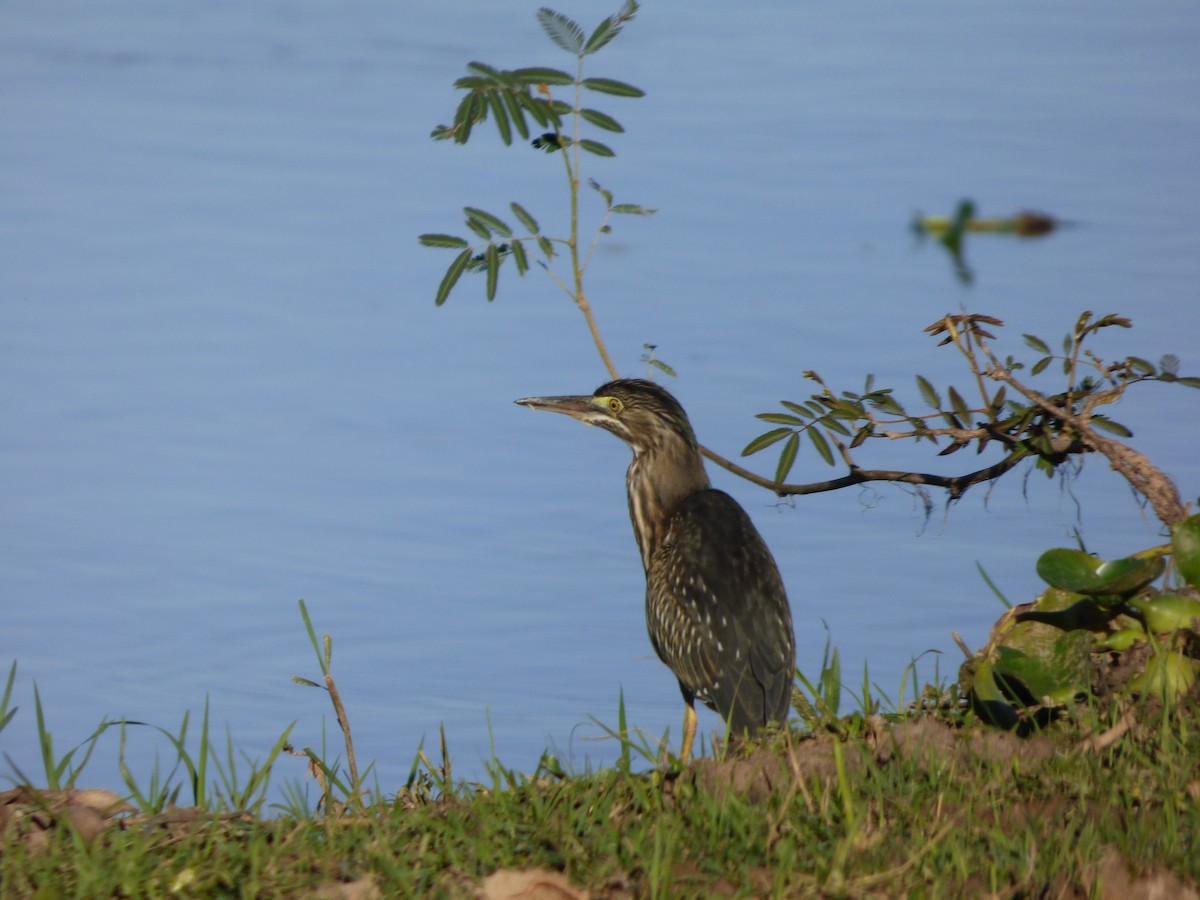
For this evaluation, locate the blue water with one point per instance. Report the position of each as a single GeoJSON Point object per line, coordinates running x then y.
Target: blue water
{"type": "Point", "coordinates": [224, 385]}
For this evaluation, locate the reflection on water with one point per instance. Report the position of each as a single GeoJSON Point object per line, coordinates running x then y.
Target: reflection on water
{"type": "Point", "coordinates": [225, 385]}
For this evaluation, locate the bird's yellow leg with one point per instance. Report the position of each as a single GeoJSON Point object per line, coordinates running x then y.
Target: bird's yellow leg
{"type": "Point", "coordinates": [689, 734]}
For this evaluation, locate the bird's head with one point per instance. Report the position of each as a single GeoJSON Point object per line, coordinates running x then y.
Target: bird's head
{"type": "Point", "coordinates": [641, 413]}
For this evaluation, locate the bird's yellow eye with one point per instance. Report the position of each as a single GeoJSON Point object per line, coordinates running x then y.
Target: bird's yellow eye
{"type": "Point", "coordinates": [615, 405]}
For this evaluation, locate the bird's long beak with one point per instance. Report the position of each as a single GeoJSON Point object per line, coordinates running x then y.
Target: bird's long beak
{"type": "Point", "coordinates": [575, 407]}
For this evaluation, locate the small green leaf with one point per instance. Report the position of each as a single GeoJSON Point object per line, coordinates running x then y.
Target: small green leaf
{"type": "Point", "coordinates": [535, 75]}
{"type": "Point", "coordinates": [516, 113]}
{"type": "Point", "coordinates": [633, 209]}
{"type": "Point", "coordinates": [1040, 365]}
{"type": "Point", "coordinates": [610, 27]}
{"type": "Point", "coordinates": [610, 86]}
{"type": "Point", "coordinates": [1036, 343]}
{"type": "Point", "coordinates": [606, 194]}
{"type": "Point", "coordinates": [822, 445]}
{"type": "Point", "coordinates": [600, 120]}
{"type": "Point", "coordinates": [451, 277]}
{"type": "Point", "coordinates": [787, 457]}
{"type": "Point", "coordinates": [536, 107]}
{"type": "Point", "coordinates": [500, 116]}
{"type": "Point", "coordinates": [662, 367]}
{"type": "Point", "coordinates": [563, 31]}
{"type": "Point", "coordinates": [495, 224]}
{"type": "Point", "coordinates": [596, 147]}
{"type": "Point", "coordinates": [780, 419]}
{"type": "Point", "coordinates": [546, 247]}
{"type": "Point", "coordinates": [1185, 540]}
{"type": "Point", "coordinates": [519, 257]}
{"type": "Point", "coordinates": [482, 69]}
{"type": "Point", "coordinates": [765, 440]}
{"type": "Point", "coordinates": [471, 83]}
{"type": "Point", "coordinates": [832, 423]}
{"type": "Point", "coordinates": [479, 228]}
{"type": "Point", "coordinates": [524, 217]}
{"type": "Point", "coordinates": [959, 405]}
{"type": "Point", "coordinates": [442, 240]}
{"type": "Point", "coordinates": [492, 257]}
{"type": "Point", "coordinates": [1189, 381]}
{"type": "Point", "coordinates": [1106, 424]}
{"type": "Point", "coordinates": [465, 116]}
{"type": "Point", "coordinates": [928, 393]}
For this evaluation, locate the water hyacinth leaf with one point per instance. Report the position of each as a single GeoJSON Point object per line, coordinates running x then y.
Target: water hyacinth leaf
{"type": "Point", "coordinates": [1167, 613]}
{"type": "Point", "coordinates": [1185, 541]}
{"type": "Point", "coordinates": [1041, 681]}
{"type": "Point", "coordinates": [563, 31]}
{"type": "Point", "coordinates": [766, 440]}
{"type": "Point", "coordinates": [611, 86]}
{"type": "Point", "coordinates": [1047, 651]}
{"type": "Point", "coordinates": [442, 240]}
{"type": "Point", "coordinates": [596, 147]}
{"type": "Point", "coordinates": [492, 258]}
{"type": "Point", "coordinates": [1168, 676]}
{"type": "Point", "coordinates": [987, 700]}
{"type": "Point", "coordinates": [787, 457]}
{"type": "Point", "coordinates": [524, 217]}
{"type": "Point", "coordinates": [1074, 570]}
{"type": "Point", "coordinates": [1124, 576]}
{"type": "Point", "coordinates": [600, 120]}
{"type": "Point", "coordinates": [451, 277]}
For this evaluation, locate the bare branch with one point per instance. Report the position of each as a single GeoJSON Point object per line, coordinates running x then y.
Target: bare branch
{"type": "Point", "coordinates": [956, 485]}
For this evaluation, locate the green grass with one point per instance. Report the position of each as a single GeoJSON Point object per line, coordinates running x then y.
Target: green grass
{"type": "Point", "coordinates": [845, 813]}
{"type": "Point", "coordinates": [935, 826]}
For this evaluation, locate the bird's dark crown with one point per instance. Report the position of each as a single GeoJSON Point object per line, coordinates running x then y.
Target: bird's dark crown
{"type": "Point", "coordinates": [647, 412]}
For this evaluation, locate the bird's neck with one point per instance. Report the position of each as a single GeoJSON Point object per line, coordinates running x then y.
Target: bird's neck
{"type": "Point", "coordinates": [658, 480]}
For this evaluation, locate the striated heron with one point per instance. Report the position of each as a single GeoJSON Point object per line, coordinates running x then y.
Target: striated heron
{"type": "Point", "coordinates": [716, 608]}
